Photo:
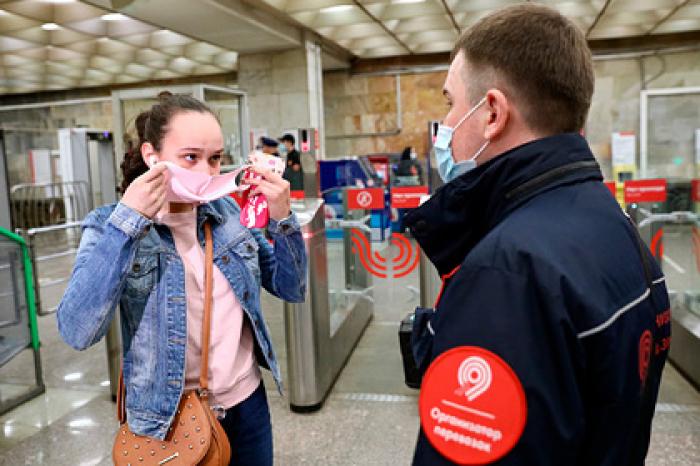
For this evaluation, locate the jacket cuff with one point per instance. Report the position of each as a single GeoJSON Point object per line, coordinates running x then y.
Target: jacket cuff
{"type": "Point", "coordinates": [132, 223]}
{"type": "Point", "coordinates": [286, 226]}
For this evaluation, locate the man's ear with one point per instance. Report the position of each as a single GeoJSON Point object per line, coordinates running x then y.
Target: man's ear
{"type": "Point", "coordinates": [499, 110]}
{"type": "Point", "coordinates": [147, 152]}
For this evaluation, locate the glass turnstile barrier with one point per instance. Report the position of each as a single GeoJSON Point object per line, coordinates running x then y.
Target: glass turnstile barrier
{"type": "Point", "coordinates": [18, 326]}
{"type": "Point", "coordinates": [322, 332]}
{"type": "Point", "coordinates": [674, 239]}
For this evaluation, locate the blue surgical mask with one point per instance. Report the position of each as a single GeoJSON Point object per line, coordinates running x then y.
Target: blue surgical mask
{"type": "Point", "coordinates": [282, 150]}
{"type": "Point", "coordinates": [447, 168]}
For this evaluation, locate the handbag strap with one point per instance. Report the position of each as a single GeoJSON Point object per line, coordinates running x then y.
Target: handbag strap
{"type": "Point", "coordinates": [206, 320]}
{"type": "Point", "coordinates": [206, 328]}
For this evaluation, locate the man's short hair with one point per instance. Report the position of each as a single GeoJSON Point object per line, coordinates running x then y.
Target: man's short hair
{"type": "Point", "coordinates": [536, 57]}
{"type": "Point", "coordinates": [288, 138]}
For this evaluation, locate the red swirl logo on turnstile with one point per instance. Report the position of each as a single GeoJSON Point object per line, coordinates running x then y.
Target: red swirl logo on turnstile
{"type": "Point", "coordinates": [404, 262]}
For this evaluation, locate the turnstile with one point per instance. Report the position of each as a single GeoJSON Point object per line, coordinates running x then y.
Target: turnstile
{"type": "Point", "coordinates": [681, 266]}
{"type": "Point", "coordinates": [48, 212]}
{"type": "Point", "coordinates": [322, 331]}
{"type": "Point", "coordinates": [18, 325]}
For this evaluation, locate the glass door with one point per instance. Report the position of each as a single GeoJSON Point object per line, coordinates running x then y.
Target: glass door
{"type": "Point", "coordinates": [670, 133]}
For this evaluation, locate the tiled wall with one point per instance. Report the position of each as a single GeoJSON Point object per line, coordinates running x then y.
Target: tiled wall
{"type": "Point", "coordinates": [615, 105]}
{"type": "Point", "coordinates": [367, 104]}
{"type": "Point", "coordinates": [361, 104]}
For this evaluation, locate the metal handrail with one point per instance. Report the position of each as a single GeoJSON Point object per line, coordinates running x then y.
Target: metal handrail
{"type": "Point", "coordinates": [30, 234]}
{"type": "Point", "coordinates": [678, 217]}
{"type": "Point", "coordinates": [40, 204]}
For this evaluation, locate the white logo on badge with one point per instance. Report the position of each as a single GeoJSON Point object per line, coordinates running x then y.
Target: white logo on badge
{"type": "Point", "coordinates": [474, 376]}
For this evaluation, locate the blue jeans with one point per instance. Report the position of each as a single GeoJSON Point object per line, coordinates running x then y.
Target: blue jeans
{"type": "Point", "coordinates": [249, 430]}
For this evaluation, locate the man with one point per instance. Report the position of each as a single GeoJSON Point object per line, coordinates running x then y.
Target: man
{"type": "Point", "coordinates": [557, 310]}
{"type": "Point", "coordinates": [269, 146]}
{"type": "Point", "coordinates": [292, 172]}
{"type": "Point", "coordinates": [408, 166]}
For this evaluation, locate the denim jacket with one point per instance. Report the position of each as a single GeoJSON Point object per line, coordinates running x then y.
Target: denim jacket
{"type": "Point", "coordinates": [125, 259]}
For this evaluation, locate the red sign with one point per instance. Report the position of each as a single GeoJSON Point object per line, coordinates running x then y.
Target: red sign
{"type": "Point", "coordinates": [695, 190]}
{"type": "Point", "coordinates": [612, 187]}
{"type": "Point", "coordinates": [297, 194]}
{"type": "Point", "coordinates": [366, 198]}
{"type": "Point", "coordinates": [472, 406]}
{"type": "Point", "coordinates": [407, 197]}
{"type": "Point", "coordinates": [645, 191]}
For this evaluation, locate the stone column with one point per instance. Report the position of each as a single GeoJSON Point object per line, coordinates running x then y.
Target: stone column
{"type": "Point", "coordinates": [285, 89]}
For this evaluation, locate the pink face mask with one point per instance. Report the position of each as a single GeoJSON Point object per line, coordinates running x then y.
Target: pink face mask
{"type": "Point", "coordinates": [199, 188]}
{"type": "Point", "coordinates": [196, 187]}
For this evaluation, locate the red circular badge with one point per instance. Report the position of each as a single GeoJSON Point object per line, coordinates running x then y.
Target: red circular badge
{"type": "Point", "coordinates": [472, 406]}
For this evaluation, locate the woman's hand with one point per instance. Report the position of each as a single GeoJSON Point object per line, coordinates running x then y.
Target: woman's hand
{"type": "Point", "coordinates": [276, 190]}
{"type": "Point", "coordinates": [146, 194]}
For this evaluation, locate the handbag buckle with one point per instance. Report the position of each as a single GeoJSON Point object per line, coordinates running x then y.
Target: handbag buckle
{"type": "Point", "coordinates": [219, 411]}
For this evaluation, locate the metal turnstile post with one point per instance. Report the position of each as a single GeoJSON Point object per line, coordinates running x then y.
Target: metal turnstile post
{"type": "Point", "coordinates": [429, 282]}
{"type": "Point", "coordinates": [319, 343]}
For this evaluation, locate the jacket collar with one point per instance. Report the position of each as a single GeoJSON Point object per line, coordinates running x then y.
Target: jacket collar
{"type": "Point", "coordinates": [463, 211]}
{"type": "Point", "coordinates": [209, 210]}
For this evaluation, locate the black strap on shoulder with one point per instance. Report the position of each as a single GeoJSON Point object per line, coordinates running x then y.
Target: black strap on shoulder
{"type": "Point", "coordinates": [547, 177]}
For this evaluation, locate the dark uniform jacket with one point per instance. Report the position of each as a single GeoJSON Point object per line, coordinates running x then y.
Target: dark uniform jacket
{"type": "Point", "coordinates": [295, 176]}
{"type": "Point", "coordinates": [552, 277]}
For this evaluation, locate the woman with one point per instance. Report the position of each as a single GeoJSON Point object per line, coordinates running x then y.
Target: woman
{"type": "Point", "coordinates": [145, 255]}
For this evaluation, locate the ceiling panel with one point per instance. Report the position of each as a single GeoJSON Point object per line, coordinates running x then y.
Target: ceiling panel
{"type": "Point", "coordinates": [46, 45]}
{"type": "Point", "coordinates": [73, 43]}
{"type": "Point", "coordinates": [435, 23]}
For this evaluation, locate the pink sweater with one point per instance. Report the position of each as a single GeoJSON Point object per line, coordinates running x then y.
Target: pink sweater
{"type": "Point", "coordinates": [233, 372]}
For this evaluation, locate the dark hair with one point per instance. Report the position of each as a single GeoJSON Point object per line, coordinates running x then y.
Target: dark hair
{"type": "Point", "coordinates": [406, 154]}
{"type": "Point", "coordinates": [151, 126]}
{"type": "Point", "coordinates": [288, 138]}
{"type": "Point", "coordinates": [539, 57]}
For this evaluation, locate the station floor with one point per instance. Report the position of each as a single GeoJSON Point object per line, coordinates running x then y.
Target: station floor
{"type": "Point", "coordinates": [369, 418]}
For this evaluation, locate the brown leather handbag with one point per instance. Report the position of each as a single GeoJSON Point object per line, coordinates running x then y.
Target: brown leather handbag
{"type": "Point", "coordinates": [195, 436]}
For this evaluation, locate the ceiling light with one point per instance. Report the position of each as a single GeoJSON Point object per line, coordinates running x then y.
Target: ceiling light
{"type": "Point", "coordinates": [336, 8]}
{"type": "Point", "coordinates": [404, 2]}
{"type": "Point", "coordinates": [59, 1]}
{"type": "Point", "coordinates": [3, 13]}
{"type": "Point", "coordinates": [114, 17]}
{"type": "Point", "coordinates": [50, 26]}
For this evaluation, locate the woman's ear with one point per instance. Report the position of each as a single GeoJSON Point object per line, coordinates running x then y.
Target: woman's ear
{"type": "Point", "coordinates": [148, 152]}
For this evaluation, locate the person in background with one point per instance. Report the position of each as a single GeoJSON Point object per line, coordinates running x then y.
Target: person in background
{"type": "Point", "coordinates": [269, 146]}
{"type": "Point", "coordinates": [292, 172]}
{"type": "Point", "coordinates": [409, 167]}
